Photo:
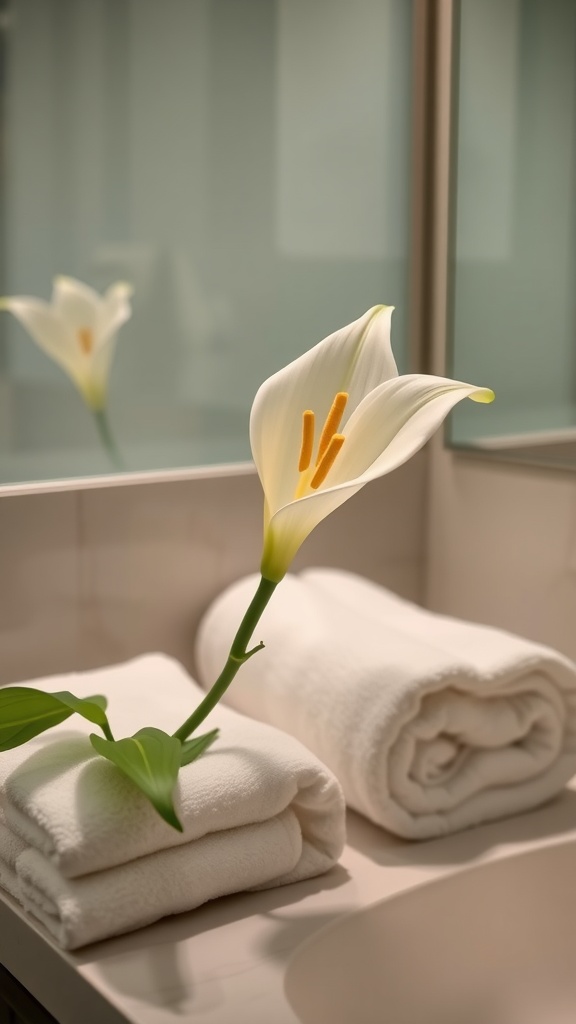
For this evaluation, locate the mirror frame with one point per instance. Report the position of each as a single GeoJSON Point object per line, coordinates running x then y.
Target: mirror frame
{"type": "Point", "coordinates": [440, 271]}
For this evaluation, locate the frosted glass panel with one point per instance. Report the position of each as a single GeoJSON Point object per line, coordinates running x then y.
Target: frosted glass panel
{"type": "Point", "coordinates": [244, 164]}
{"type": "Point", "coordinates": [514, 314]}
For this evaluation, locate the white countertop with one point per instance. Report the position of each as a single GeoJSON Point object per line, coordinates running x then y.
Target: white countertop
{"type": "Point", "coordinates": [226, 961]}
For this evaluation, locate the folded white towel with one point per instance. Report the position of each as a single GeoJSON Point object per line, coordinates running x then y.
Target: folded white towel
{"type": "Point", "coordinates": [431, 724]}
{"type": "Point", "coordinates": [83, 850]}
{"type": "Point", "coordinates": [81, 910]}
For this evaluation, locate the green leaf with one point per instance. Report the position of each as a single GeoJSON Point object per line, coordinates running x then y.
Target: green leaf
{"type": "Point", "coordinates": [151, 759]}
{"type": "Point", "coordinates": [26, 712]}
{"type": "Point", "coordinates": [92, 708]}
{"type": "Point", "coordinates": [191, 749]}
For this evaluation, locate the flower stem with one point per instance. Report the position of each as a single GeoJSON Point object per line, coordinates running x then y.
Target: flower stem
{"type": "Point", "coordinates": [107, 438]}
{"type": "Point", "coordinates": [236, 658]}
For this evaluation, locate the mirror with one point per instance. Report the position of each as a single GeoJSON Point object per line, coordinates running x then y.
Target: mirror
{"type": "Point", "coordinates": [243, 164]}
{"type": "Point", "coordinates": [514, 256]}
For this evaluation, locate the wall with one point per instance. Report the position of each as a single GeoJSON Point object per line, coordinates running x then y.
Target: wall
{"type": "Point", "coordinates": [502, 546]}
{"type": "Point", "coordinates": [97, 575]}
{"type": "Point", "coordinates": [94, 576]}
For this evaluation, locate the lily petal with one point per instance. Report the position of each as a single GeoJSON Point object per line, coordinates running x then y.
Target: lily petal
{"type": "Point", "coordinates": [395, 420]}
{"type": "Point", "coordinates": [354, 359]}
{"type": "Point", "coordinates": [115, 310]}
{"type": "Point", "coordinates": [77, 303]}
{"type": "Point", "coordinates": [45, 325]}
{"type": "Point", "coordinates": [118, 292]}
{"type": "Point", "coordinates": [287, 529]}
{"type": "Point", "coordinates": [78, 330]}
{"type": "Point", "coordinates": [390, 425]}
{"type": "Point", "coordinates": [100, 364]}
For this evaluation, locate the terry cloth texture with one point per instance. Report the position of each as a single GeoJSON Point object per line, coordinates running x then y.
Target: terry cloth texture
{"type": "Point", "coordinates": [431, 724]}
{"type": "Point", "coordinates": [84, 851]}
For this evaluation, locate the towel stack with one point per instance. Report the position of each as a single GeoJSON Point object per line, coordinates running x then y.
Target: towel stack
{"type": "Point", "coordinates": [431, 724]}
{"type": "Point", "coordinates": [84, 852]}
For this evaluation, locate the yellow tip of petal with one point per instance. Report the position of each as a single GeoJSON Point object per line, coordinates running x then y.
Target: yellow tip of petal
{"type": "Point", "coordinates": [381, 308]}
{"type": "Point", "coordinates": [124, 287]}
{"type": "Point", "coordinates": [485, 395]}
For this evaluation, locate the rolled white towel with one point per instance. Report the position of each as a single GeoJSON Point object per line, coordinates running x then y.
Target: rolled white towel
{"type": "Point", "coordinates": [86, 853]}
{"type": "Point", "coordinates": [430, 723]}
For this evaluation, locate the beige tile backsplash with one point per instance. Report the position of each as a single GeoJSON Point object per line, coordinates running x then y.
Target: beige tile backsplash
{"type": "Point", "coordinates": [40, 595]}
{"type": "Point", "coordinates": [502, 546]}
{"type": "Point", "coordinates": [96, 575]}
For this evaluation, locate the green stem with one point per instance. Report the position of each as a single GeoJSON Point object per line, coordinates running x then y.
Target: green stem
{"type": "Point", "coordinates": [107, 438]}
{"type": "Point", "coordinates": [236, 658]}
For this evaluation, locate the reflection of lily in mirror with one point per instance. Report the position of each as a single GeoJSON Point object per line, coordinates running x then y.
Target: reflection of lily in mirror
{"type": "Point", "coordinates": [78, 330]}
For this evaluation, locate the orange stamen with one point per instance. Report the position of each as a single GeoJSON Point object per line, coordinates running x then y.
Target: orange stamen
{"type": "Point", "coordinates": [331, 425]}
{"type": "Point", "coordinates": [307, 440]}
{"type": "Point", "coordinates": [86, 339]}
{"type": "Point", "coordinates": [327, 461]}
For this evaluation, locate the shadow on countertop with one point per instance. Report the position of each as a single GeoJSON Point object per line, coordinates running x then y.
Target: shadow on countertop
{"type": "Point", "coordinates": [554, 819]}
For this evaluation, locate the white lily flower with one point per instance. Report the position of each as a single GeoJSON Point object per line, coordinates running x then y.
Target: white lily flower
{"type": "Point", "coordinates": [78, 330]}
{"type": "Point", "coordinates": [370, 419]}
